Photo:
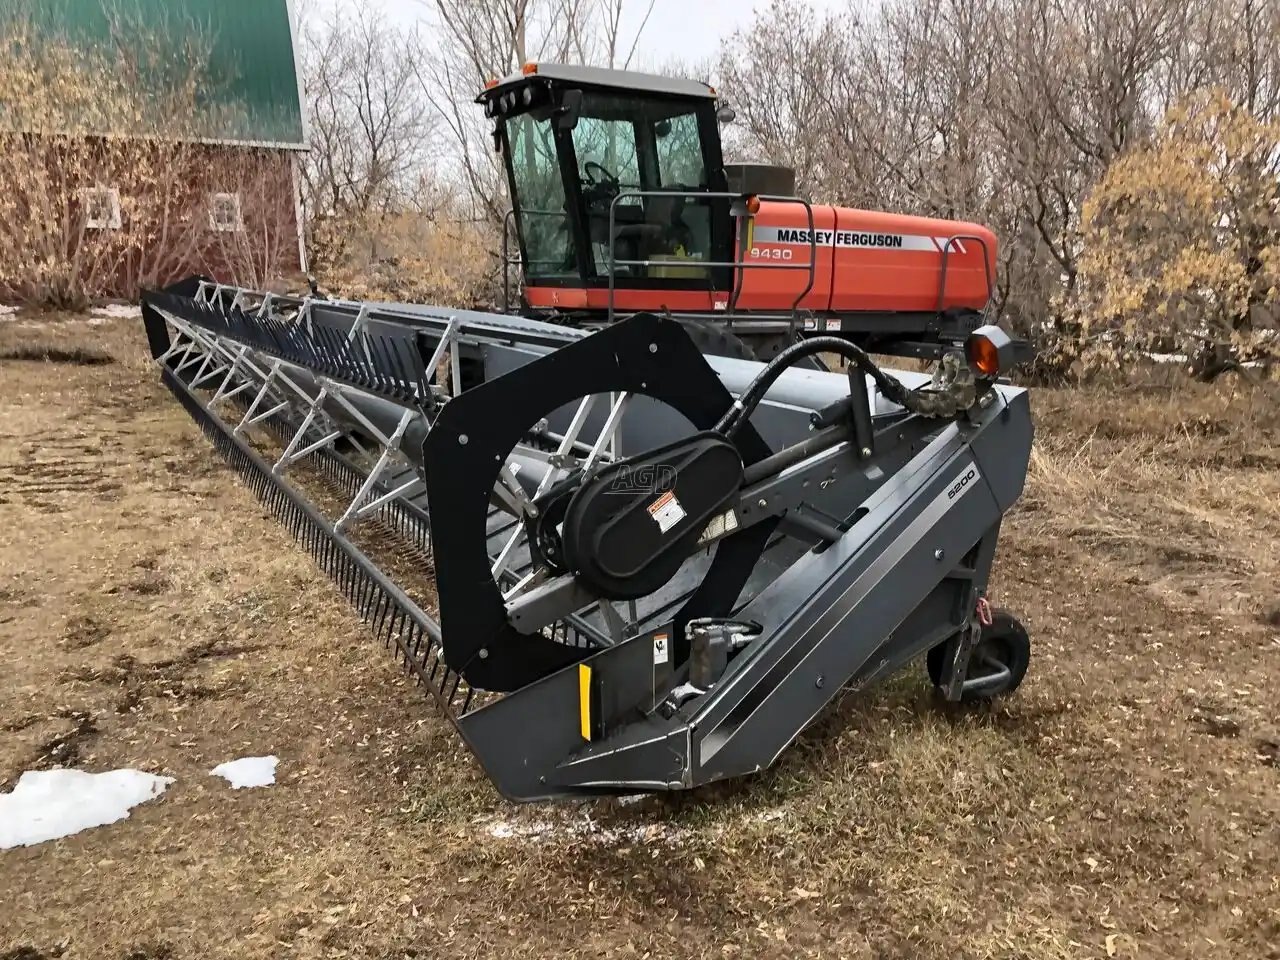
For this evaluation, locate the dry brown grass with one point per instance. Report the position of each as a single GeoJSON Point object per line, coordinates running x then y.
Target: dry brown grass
{"type": "Point", "coordinates": [1124, 802]}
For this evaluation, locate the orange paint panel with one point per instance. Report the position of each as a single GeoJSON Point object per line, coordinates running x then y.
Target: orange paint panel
{"type": "Point", "coordinates": [626, 301]}
{"type": "Point", "coordinates": [890, 261]}
{"type": "Point", "coordinates": [777, 256]}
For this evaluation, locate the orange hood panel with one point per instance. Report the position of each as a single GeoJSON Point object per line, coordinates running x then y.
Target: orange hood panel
{"type": "Point", "coordinates": [866, 261]}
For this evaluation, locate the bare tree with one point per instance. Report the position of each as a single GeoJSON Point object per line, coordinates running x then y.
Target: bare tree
{"type": "Point", "coordinates": [474, 41]}
{"type": "Point", "coordinates": [1005, 111]}
{"type": "Point", "coordinates": [785, 84]}
{"type": "Point", "coordinates": [370, 131]}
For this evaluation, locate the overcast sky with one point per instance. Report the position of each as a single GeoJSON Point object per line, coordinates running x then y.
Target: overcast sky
{"type": "Point", "coordinates": [687, 30]}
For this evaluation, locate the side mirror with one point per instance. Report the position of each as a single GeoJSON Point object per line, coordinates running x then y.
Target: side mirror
{"type": "Point", "coordinates": [569, 110]}
{"type": "Point", "coordinates": [726, 114]}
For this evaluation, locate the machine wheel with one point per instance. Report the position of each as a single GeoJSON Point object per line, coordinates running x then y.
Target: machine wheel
{"type": "Point", "coordinates": [714, 340]}
{"type": "Point", "coordinates": [1003, 648]}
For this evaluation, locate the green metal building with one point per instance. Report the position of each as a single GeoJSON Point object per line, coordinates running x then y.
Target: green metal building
{"type": "Point", "coordinates": [249, 106]}
{"type": "Point", "coordinates": [251, 49]}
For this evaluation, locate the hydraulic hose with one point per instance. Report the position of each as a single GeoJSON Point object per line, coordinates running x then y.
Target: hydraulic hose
{"type": "Point", "coordinates": [750, 398]}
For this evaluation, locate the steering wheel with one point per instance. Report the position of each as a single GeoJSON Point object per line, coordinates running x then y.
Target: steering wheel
{"type": "Point", "coordinates": [591, 169]}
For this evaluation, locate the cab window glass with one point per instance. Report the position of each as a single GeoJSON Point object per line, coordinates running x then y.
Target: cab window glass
{"type": "Point", "coordinates": [540, 199]}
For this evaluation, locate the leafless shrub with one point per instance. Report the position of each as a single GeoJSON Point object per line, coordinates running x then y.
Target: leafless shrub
{"type": "Point", "coordinates": [1182, 237]}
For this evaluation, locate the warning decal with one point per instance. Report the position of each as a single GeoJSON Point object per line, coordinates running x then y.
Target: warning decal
{"type": "Point", "coordinates": [661, 649]}
{"type": "Point", "coordinates": [666, 511]}
{"type": "Point", "coordinates": [726, 522]}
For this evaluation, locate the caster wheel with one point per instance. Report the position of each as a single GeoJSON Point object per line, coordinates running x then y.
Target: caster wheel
{"type": "Point", "coordinates": [997, 664]}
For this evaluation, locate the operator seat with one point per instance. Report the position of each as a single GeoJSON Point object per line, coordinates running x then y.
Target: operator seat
{"type": "Point", "coordinates": [663, 234]}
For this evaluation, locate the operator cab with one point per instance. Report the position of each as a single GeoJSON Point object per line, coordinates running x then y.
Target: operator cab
{"type": "Point", "coordinates": [605, 161]}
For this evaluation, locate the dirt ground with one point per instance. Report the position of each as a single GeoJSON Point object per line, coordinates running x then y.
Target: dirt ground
{"type": "Point", "coordinates": [1123, 804]}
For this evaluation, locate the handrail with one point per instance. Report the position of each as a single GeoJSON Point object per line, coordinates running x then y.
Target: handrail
{"type": "Point", "coordinates": [740, 266]}
{"type": "Point", "coordinates": [986, 266]}
{"type": "Point", "coordinates": [813, 255]}
{"type": "Point", "coordinates": [508, 260]}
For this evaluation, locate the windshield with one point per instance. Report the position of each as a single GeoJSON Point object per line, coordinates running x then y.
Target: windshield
{"type": "Point", "coordinates": [627, 143]}
{"type": "Point", "coordinates": [637, 164]}
{"type": "Point", "coordinates": [539, 199]}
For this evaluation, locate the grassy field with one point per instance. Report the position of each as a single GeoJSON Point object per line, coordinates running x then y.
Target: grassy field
{"type": "Point", "coordinates": [1125, 803]}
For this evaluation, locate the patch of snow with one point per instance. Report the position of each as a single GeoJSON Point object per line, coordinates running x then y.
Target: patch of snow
{"type": "Point", "coordinates": [505, 830]}
{"type": "Point", "coordinates": [663, 834]}
{"type": "Point", "coordinates": [587, 829]}
{"type": "Point", "coordinates": [48, 804]}
{"type": "Point", "coordinates": [771, 816]}
{"type": "Point", "coordinates": [7, 313]}
{"type": "Point", "coordinates": [117, 311]}
{"type": "Point", "coordinates": [1167, 357]}
{"type": "Point", "coordinates": [248, 772]}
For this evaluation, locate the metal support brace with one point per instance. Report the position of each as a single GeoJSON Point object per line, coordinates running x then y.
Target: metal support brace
{"type": "Point", "coordinates": [177, 345]}
{"type": "Point", "coordinates": [208, 358]}
{"type": "Point", "coordinates": [361, 321]}
{"type": "Point", "coordinates": [253, 370]}
{"type": "Point", "coordinates": [390, 495]}
{"type": "Point", "coordinates": [455, 369]}
{"type": "Point", "coordinates": [359, 332]}
{"type": "Point", "coordinates": [360, 418]}
{"type": "Point", "coordinates": [311, 448]}
{"type": "Point", "coordinates": [963, 645]}
{"type": "Point", "coordinates": [248, 417]}
{"type": "Point", "coordinates": [289, 456]}
{"type": "Point", "coordinates": [390, 448]}
{"type": "Point", "coordinates": [607, 431]}
{"type": "Point", "coordinates": [222, 393]}
{"type": "Point", "coordinates": [201, 378]}
{"type": "Point", "coordinates": [437, 355]}
{"type": "Point", "coordinates": [273, 384]}
{"type": "Point", "coordinates": [509, 492]}
{"type": "Point", "coordinates": [210, 344]}
{"type": "Point", "coordinates": [189, 361]}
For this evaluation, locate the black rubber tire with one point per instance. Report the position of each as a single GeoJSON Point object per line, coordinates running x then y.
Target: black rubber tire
{"type": "Point", "coordinates": [717, 341]}
{"type": "Point", "coordinates": [1004, 640]}
{"type": "Point", "coordinates": [714, 340]}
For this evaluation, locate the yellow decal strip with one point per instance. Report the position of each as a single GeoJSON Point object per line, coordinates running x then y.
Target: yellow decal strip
{"type": "Point", "coordinates": [584, 699]}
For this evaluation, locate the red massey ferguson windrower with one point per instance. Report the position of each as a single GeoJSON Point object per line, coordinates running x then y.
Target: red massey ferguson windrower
{"type": "Point", "coordinates": [622, 203]}
{"type": "Point", "coordinates": [669, 507]}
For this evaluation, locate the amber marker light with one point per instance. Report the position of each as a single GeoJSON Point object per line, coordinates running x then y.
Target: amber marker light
{"type": "Point", "coordinates": [989, 350]}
